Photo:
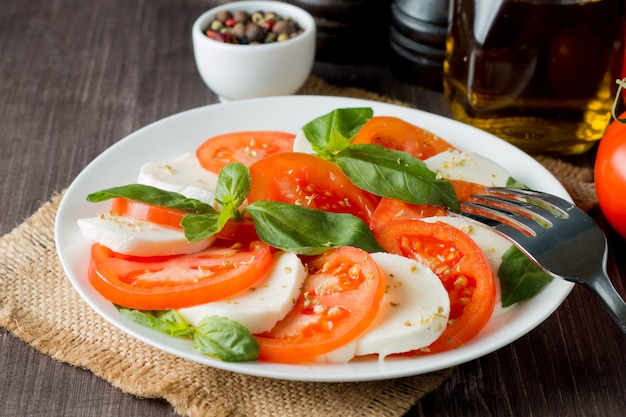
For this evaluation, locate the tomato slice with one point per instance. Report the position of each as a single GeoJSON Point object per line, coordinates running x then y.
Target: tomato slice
{"type": "Point", "coordinates": [460, 264]}
{"type": "Point", "coordinates": [158, 283]}
{"type": "Point", "coordinates": [244, 147]}
{"type": "Point", "coordinates": [307, 180]}
{"type": "Point", "coordinates": [397, 134]}
{"type": "Point", "coordinates": [390, 210]}
{"type": "Point", "coordinates": [340, 298]}
{"type": "Point", "coordinates": [465, 189]}
{"type": "Point", "coordinates": [141, 211]}
{"type": "Point", "coordinates": [239, 231]}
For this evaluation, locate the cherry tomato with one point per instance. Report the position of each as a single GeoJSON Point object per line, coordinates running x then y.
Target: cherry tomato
{"type": "Point", "coordinates": [396, 134]}
{"type": "Point", "coordinates": [307, 180]}
{"type": "Point", "coordinates": [244, 147]}
{"type": "Point", "coordinates": [460, 264]}
{"type": "Point", "coordinates": [610, 175]}
{"type": "Point", "coordinates": [158, 283]}
{"type": "Point", "coordinates": [340, 298]}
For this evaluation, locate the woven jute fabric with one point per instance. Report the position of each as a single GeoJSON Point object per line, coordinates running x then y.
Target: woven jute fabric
{"type": "Point", "coordinates": [39, 306]}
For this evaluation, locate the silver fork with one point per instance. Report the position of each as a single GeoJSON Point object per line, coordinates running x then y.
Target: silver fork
{"type": "Point", "coordinates": [558, 236]}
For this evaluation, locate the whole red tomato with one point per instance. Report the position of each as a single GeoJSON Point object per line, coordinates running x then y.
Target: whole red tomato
{"type": "Point", "coordinates": [610, 175]}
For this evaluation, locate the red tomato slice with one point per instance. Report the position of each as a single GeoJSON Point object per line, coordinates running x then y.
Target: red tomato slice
{"type": "Point", "coordinates": [390, 210]}
{"type": "Point", "coordinates": [239, 231]}
{"type": "Point", "coordinates": [460, 264]}
{"type": "Point", "coordinates": [396, 134]}
{"type": "Point", "coordinates": [158, 283]}
{"type": "Point", "coordinates": [340, 298]}
{"type": "Point", "coordinates": [242, 231]}
{"type": "Point", "coordinates": [465, 189]}
{"type": "Point", "coordinates": [243, 147]}
{"type": "Point", "coordinates": [155, 214]}
{"type": "Point", "coordinates": [307, 180]}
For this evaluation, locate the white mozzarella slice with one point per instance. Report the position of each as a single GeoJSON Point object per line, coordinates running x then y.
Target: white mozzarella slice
{"type": "Point", "coordinates": [302, 144]}
{"type": "Point", "coordinates": [183, 175]}
{"type": "Point", "coordinates": [467, 166]}
{"type": "Point", "coordinates": [413, 314]}
{"type": "Point", "coordinates": [260, 309]}
{"type": "Point", "coordinates": [491, 244]}
{"type": "Point", "coordinates": [414, 311]}
{"type": "Point", "coordinates": [130, 236]}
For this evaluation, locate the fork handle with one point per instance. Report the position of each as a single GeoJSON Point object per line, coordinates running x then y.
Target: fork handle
{"type": "Point", "coordinates": [612, 300]}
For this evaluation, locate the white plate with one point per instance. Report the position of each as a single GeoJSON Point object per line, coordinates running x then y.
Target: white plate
{"type": "Point", "coordinates": [163, 140]}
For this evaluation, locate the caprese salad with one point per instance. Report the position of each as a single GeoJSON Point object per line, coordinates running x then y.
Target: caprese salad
{"type": "Point", "coordinates": [327, 244]}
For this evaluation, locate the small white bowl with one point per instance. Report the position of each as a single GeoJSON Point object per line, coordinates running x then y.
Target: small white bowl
{"type": "Point", "coordinates": [236, 72]}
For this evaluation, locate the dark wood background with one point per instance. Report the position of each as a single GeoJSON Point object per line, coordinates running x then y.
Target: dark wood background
{"type": "Point", "coordinates": [76, 76]}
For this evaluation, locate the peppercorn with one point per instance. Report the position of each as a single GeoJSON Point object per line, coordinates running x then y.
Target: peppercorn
{"type": "Point", "coordinates": [270, 37]}
{"type": "Point", "coordinates": [216, 25]}
{"type": "Point", "coordinates": [284, 27]}
{"type": "Point", "coordinates": [241, 16]}
{"type": "Point", "coordinates": [258, 18]}
{"type": "Point", "coordinates": [254, 33]}
{"type": "Point", "coordinates": [251, 29]}
{"type": "Point", "coordinates": [239, 31]}
{"type": "Point", "coordinates": [223, 15]}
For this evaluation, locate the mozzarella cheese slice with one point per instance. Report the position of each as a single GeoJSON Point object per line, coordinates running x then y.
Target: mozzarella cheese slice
{"type": "Point", "coordinates": [413, 314]}
{"type": "Point", "coordinates": [491, 244]}
{"type": "Point", "coordinates": [261, 308]}
{"type": "Point", "coordinates": [467, 166]}
{"type": "Point", "coordinates": [130, 236]}
{"type": "Point", "coordinates": [183, 175]}
{"type": "Point", "coordinates": [302, 144]}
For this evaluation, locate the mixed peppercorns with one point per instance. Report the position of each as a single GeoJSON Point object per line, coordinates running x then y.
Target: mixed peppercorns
{"type": "Point", "coordinates": [250, 29]}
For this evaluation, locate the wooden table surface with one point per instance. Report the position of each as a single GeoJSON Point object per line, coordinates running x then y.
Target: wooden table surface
{"type": "Point", "coordinates": [77, 76]}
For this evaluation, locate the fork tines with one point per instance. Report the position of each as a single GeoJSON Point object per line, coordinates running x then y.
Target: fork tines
{"type": "Point", "coordinates": [519, 208]}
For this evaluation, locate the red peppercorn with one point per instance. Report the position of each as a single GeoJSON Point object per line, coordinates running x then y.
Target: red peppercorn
{"type": "Point", "coordinates": [230, 22]}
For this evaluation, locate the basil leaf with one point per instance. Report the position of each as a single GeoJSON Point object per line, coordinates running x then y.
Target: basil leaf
{"type": "Point", "coordinates": [233, 185]}
{"type": "Point", "coordinates": [165, 321]}
{"type": "Point", "coordinates": [308, 231]}
{"type": "Point", "coordinates": [227, 339]}
{"type": "Point", "coordinates": [152, 195]}
{"type": "Point", "coordinates": [332, 132]}
{"type": "Point", "coordinates": [512, 182]}
{"type": "Point", "coordinates": [201, 226]}
{"type": "Point", "coordinates": [520, 278]}
{"type": "Point", "coordinates": [395, 174]}
{"type": "Point", "coordinates": [217, 336]}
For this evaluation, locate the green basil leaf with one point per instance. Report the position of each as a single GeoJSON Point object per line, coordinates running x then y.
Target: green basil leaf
{"type": "Point", "coordinates": [201, 226]}
{"type": "Point", "coordinates": [332, 132]}
{"type": "Point", "coordinates": [395, 174]}
{"type": "Point", "coordinates": [308, 231]}
{"type": "Point", "coordinates": [512, 182]}
{"type": "Point", "coordinates": [151, 195]}
{"type": "Point", "coordinates": [165, 321]}
{"type": "Point", "coordinates": [233, 185]}
{"type": "Point", "coordinates": [227, 339]}
{"type": "Point", "coordinates": [520, 278]}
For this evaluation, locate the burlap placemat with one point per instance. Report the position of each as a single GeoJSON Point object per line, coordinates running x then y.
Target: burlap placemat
{"type": "Point", "coordinates": [39, 306]}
